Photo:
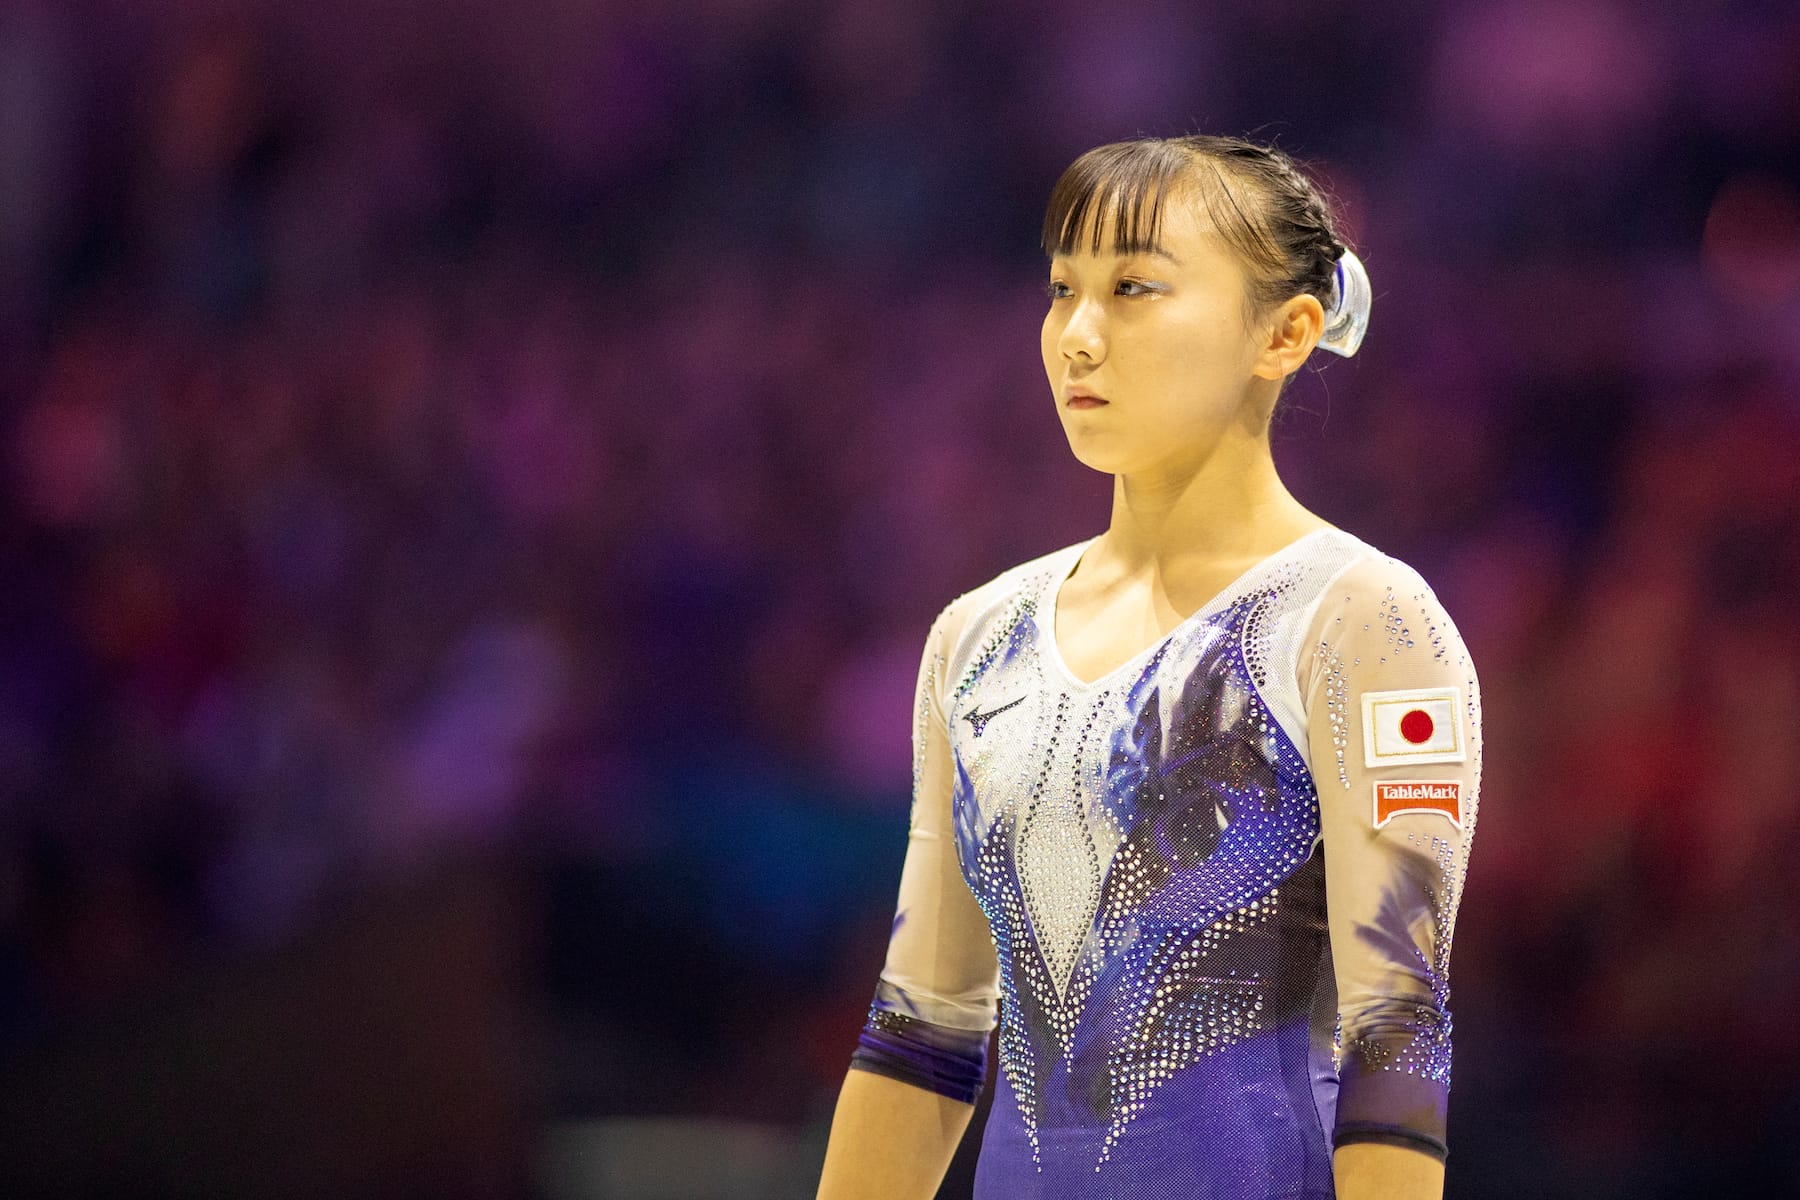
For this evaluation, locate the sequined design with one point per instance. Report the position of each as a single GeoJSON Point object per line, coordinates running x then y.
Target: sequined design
{"type": "Point", "coordinates": [1059, 870]}
{"type": "Point", "coordinates": [1136, 888]}
{"type": "Point", "coordinates": [931, 669]}
{"type": "Point", "coordinates": [1145, 850]}
{"type": "Point", "coordinates": [1337, 707]}
{"type": "Point", "coordinates": [1426, 1050]}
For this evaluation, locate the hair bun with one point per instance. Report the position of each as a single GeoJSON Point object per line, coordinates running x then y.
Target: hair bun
{"type": "Point", "coordinates": [1347, 320]}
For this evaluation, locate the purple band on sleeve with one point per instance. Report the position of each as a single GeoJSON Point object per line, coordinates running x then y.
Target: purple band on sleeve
{"type": "Point", "coordinates": [1391, 1106]}
{"type": "Point", "coordinates": [950, 1062]}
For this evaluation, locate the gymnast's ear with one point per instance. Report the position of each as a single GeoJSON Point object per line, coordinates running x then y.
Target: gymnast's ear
{"type": "Point", "coordinates": [1287, 336]}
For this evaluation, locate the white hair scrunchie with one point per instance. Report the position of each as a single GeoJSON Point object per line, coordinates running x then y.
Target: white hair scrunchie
{"type": "Point", "coordinates": [1348, 317]}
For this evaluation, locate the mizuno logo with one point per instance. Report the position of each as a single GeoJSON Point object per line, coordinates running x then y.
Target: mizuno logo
{"type": "Point", "coordinates": [978, 720]}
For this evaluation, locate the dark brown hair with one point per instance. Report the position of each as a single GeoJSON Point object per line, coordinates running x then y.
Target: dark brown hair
{"type": "Point", "coordinates": [1265, 207]}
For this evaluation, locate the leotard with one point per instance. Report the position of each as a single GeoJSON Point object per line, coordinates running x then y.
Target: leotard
{"type": "Point", "coordinates": [1207, 898]}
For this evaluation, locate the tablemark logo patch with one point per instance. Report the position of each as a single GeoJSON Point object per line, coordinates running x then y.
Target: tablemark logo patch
{"type": "Point", "coordinates": [1396, 796]}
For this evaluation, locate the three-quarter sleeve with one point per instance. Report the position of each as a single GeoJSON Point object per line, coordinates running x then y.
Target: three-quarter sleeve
{"type": "Point", "coordinates": [935, 1002]}
{"type": "Point", "coordinates": [1394, 733]}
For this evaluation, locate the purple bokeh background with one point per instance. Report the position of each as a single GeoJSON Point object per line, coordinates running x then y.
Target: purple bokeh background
{"type": "Point", "coordinates": [477, 479]}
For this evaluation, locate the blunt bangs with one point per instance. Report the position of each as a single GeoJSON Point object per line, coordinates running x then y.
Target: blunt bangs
{"type": "Point", "coordinates": [1127, 180]}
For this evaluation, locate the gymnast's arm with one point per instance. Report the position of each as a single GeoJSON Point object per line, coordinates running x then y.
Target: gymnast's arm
{"type": "Point", "coordinates": [921, 1059]}
{"type": "Point", "coordinates": [890, 1139]}
{"type": "Point", "coordinates": [1394, 731]}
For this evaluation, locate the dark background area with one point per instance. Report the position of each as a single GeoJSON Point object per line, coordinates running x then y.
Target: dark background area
{"type": "Point", "coordinates": [476, 480]}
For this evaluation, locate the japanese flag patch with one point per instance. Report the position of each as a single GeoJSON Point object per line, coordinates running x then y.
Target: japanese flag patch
{"type": "Point", "coordinates": [1417, 726]}
{"type": "Point", "coordinates": [1396, 796]}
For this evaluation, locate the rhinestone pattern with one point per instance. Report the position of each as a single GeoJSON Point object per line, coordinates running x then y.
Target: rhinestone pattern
{"type": "Point", "coordinates": [931, 671]}
{"type": "Point", "coordinates": [1145, 852]}
{"type": "Point", "coordinates": [1425, 1051]}
{"type": "Point", "coordinates": [1134, 887]}
{"type": "Point", "coordinates": [1337, 707]}
{"type": "Point", "coordinates": [1059, 869]}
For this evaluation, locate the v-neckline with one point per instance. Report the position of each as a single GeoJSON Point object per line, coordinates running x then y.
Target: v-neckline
{"type": "Point", "coordinates": [1054, 653]}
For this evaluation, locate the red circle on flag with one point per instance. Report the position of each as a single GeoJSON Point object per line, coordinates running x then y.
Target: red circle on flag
{"type": "Point", "coordinates": [1416, 726]}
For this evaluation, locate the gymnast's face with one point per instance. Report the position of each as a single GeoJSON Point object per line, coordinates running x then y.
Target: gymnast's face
{"type": "Point", "coordinates": [1161, 336]}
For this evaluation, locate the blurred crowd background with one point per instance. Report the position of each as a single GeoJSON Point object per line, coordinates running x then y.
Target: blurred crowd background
{"type": "Point", "coordinates": [477, 478]}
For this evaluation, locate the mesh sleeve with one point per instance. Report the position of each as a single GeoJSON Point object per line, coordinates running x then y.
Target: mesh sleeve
{"type": "Point", "coordinates": [1394, 730]}
{"type": "Point", "coordinates": [935, 1002]}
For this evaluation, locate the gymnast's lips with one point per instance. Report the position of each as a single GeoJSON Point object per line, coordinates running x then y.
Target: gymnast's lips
{"type": "Point", "coordinates": [1080, 398]}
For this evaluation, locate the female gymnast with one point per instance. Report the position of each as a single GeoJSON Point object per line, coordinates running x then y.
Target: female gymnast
{"type": "Point", "coordinates": [1192, 798]}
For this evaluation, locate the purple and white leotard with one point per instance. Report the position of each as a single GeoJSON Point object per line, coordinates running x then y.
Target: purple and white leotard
{"type": "Point", "coordinates": [1207, 898]}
